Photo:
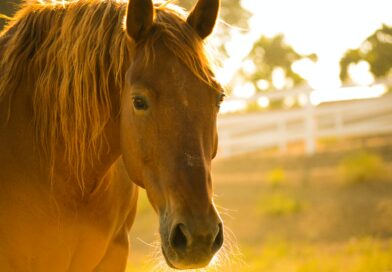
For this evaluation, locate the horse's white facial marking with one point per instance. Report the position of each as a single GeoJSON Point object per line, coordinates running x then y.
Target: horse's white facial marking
{"type": "Point", "coordinates": [193, 161]}
{"type": "Point", "coordinates": [181, 82]}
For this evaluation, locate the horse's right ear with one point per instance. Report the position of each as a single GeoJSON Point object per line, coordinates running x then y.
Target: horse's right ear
{"type": "Point", "coordinates": [140, 17]}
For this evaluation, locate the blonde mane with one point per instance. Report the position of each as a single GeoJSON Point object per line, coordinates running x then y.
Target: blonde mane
{"type": "Point", "coordinates": [75, 55]}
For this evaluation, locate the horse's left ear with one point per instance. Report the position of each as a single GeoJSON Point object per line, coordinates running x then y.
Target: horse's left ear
{"type": "Point", "coordinates": [140, 18]}
{"type": "Point", "coordinates": [203, 17]}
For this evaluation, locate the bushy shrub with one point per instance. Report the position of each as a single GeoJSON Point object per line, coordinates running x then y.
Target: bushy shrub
{"type": "Point", "coordinates": [276, 177]}
{"type": "Point", "coordinates": [362, 167]}
{"type": "Point", "coordinates": [279, 204]}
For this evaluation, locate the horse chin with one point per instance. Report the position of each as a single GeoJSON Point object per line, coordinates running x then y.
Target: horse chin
{"type": "Point", "coordinates": [181, 265]}
{"type": "Point", "coordinates": [167, 259]}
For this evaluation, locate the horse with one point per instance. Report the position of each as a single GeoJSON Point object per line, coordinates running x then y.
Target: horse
{"type": "Point", "coordinates": [99, 98]}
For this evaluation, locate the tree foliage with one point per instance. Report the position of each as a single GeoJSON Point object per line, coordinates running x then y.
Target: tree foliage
{"type": "Point", "coordinates": [269, 54]}
{"type": "Point", "coordinates": [376, 50]}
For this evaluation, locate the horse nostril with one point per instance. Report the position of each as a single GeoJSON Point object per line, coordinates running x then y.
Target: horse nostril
{"type": "Point", "coordinates": [178, 238]}
{"type": "Point", "coordinates": [218, 241]}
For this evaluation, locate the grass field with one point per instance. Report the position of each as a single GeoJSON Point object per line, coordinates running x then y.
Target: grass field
{"type": "Point", "coordinates": [331, 212]}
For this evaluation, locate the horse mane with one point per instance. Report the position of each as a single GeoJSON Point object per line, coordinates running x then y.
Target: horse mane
{"type": "Point", "coordinates": [75, 54]}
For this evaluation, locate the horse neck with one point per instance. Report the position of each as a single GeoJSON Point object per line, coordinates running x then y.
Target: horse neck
{"type": "Point", "coordinates": [19, 147]}
{"type": "Point", "coordinates": [97, 169]}
{"type": "Point", "coordinates": [19, 142]}
{"type": "Point", "coordinates": [98, 166]}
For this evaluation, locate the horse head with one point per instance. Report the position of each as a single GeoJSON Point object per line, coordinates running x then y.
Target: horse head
{"type": "Point", "coordinates": [168, 127]}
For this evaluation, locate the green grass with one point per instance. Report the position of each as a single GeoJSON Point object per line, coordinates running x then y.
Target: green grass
{"type": "Point", "coordinates": [289, 216]}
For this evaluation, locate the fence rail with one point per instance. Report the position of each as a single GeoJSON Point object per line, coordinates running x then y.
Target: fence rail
{"type": "Point", "coordinates": [245, 133]}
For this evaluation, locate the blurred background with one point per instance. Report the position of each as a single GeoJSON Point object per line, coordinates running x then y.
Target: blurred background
{"type": "Point", "coordinates": [303, 177]}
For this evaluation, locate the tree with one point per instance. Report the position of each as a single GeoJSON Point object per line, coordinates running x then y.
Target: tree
{"type": "Point", "coordinates": [270, 55]}
{"type": "Point", "coordinates": [375, 50]}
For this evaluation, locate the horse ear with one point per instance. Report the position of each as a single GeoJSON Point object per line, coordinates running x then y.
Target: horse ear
{"type": "Point", "coordinates": [203, 17]}
{"type": "Point", "coordinates": [140, 17]}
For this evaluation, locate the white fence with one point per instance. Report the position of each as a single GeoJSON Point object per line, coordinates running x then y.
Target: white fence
{"type": "Point", "coordinates": [240, 134]}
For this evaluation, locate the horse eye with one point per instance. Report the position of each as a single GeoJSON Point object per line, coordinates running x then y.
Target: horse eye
{"type": "Point", "coordinates": [140, 103]}
{"type": "Point", "coordinates": [221, 97]}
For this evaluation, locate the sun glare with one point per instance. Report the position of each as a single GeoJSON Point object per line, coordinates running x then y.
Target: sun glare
{"type": "Point", "coordinates": [327, 29]}
{"type": "Point", "coordinates": [347, 93]}
{"type": "Point", "coordinates": [263, 102]}
{"type": "Point", "coordinates": [360, 73]}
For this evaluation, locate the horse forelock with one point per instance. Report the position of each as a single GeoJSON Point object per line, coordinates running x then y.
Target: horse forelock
{"type": "Point", "coordinates": [74, 54]}
{"type": "Point", "coordinates": [180, 39]}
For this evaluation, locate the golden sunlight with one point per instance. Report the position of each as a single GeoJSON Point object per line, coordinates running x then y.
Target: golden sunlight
{"type": "Point", "coordinates": [123, 147]}
{"type": "Point", "coordinates": [327, 29]}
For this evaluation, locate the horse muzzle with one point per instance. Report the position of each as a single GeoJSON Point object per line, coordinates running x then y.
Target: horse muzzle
{"type": "Point", "coordinates": [192, 243]}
